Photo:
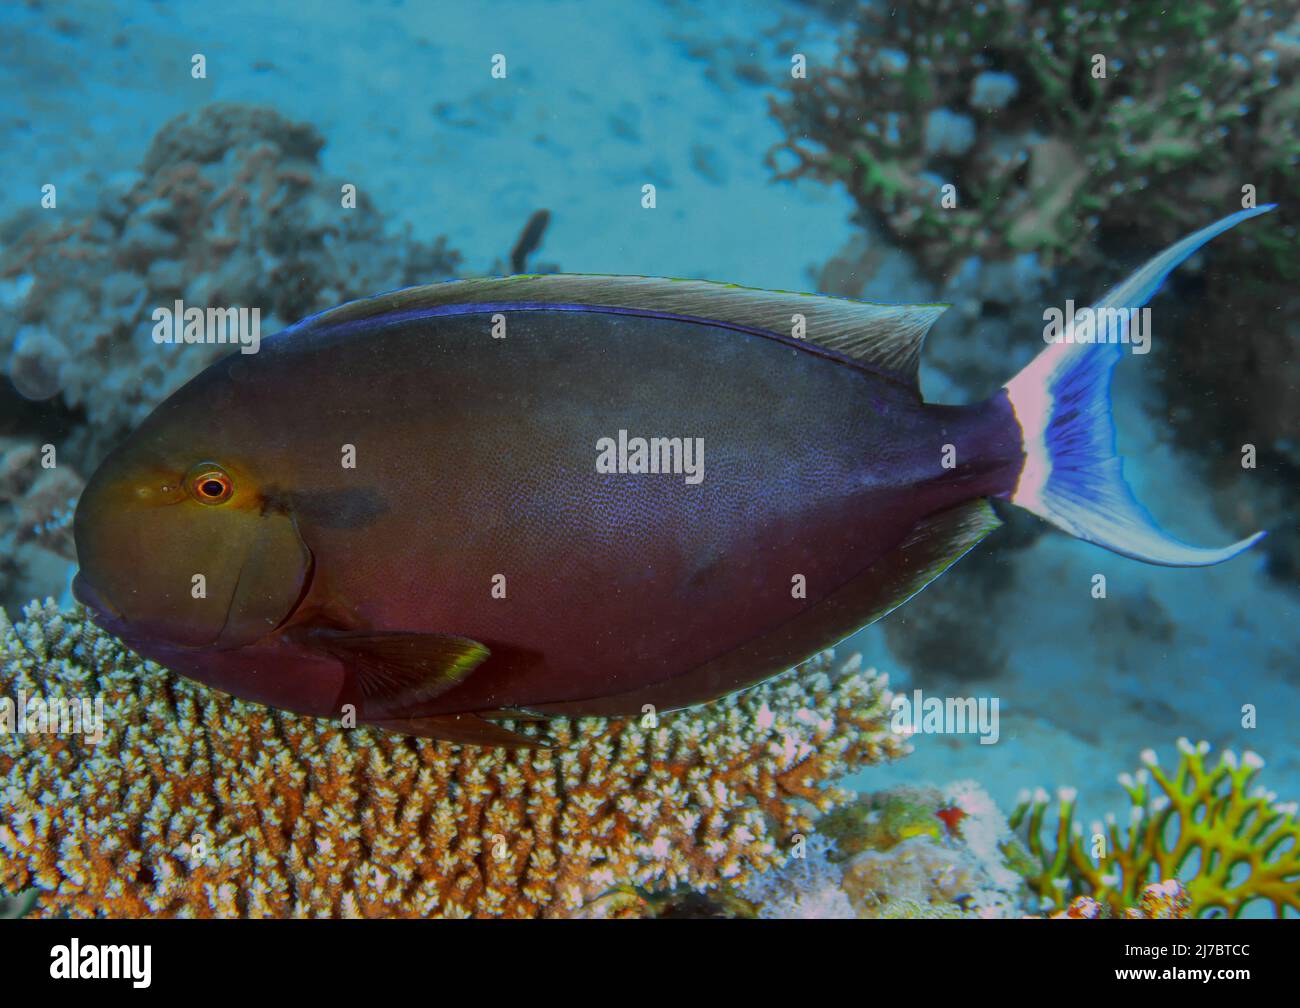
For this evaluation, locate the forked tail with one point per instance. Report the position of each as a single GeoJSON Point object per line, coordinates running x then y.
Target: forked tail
{"type": "Point", "coordinates": [1072, 476]}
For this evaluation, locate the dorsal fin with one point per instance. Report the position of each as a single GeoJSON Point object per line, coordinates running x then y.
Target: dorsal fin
{"type": "Point", "coordinates": [886, 336]}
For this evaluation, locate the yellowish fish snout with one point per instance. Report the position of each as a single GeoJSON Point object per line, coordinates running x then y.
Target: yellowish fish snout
{"type": "Point", "coordinates": [181, 561]}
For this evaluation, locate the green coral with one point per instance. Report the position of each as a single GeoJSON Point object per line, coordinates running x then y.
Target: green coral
{"type": "Point", "coordinates": [880, 821]}
{"type": "Point", "coordinates": [1229, 842]}
{"type": "Point", "coordinates": [1198, 99]}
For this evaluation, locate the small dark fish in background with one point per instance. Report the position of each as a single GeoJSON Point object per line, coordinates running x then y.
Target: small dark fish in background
{"type": "Point", "coordinates": [530, 239]}
{"type": "Point", "coordinates": [477, 563]}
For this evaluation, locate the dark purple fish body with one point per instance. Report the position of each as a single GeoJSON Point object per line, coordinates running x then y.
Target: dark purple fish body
{"type": "Point", "coordinates": [498, 546]}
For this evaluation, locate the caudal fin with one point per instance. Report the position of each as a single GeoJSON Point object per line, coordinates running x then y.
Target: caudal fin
{"type": "Point", "coordinates": [1072, 476]}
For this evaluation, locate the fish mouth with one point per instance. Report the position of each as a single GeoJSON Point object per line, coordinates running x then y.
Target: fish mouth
{"type": "Point", "coordinates": [90, 597]}
{"type": "Point", "coordinates": [109, 618]}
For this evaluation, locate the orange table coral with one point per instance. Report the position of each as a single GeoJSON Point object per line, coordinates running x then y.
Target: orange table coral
{"type": "Point", "coordinates": [195, 804]}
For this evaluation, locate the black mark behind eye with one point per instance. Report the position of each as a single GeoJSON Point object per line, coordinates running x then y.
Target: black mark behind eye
{"type": "Point", "coordinates": [353, 507]}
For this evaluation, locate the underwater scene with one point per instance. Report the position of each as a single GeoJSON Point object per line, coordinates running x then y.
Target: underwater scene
{"type": "Point", "coordinates": [542, 459]}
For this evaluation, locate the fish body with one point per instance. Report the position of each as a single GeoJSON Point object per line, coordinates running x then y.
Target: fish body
{"type": "Point", "coordinates": [431, 507]}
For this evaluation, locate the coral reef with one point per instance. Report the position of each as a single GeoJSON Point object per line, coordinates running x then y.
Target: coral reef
{"type": "Point", "coordinates": [950, 866]}
{"type": "Point", "coordinates": [1227, 842]}
{"type": "Point", "coordinates": [37, 498]}
{"type": "Point", "coordinates": [1007, 102]}
{"type": "Point", "coordinates": [926, 852]}
{"type": "Point", "coordinates": [231, 209]}
{"type": "Point", "coordinates": [810, 886]}
{"type": "Point", "coordinates": [909, 852]}
{"type": "Point", "coordinates": [1056, 165]}
{"type": "Point", "coordinates": [195, 804]}
{"type": "Point", "coordinates": [631, 903]}
{"type": "Point", "coordinates": [1166, 900]}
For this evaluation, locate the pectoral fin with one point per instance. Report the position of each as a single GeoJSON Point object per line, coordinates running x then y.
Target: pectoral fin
{"type": "Point", "coordinates": [468, 729]}
{"type": "Point", "coordinates": [401, 669]}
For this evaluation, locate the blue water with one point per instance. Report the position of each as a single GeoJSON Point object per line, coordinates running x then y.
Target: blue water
{"type": "Point", "coordinates": [600, 100]}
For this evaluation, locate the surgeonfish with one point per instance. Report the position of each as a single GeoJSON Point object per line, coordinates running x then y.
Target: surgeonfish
{"type": "Point", "coordinates": [442, 507]}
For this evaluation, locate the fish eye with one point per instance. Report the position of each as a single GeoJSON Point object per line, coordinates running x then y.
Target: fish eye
{"type": "Point", "coordinates": [210, 484]}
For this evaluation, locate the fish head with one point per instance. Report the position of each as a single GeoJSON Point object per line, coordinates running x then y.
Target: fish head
{"type": "Point", "coordinates": [186, 548]}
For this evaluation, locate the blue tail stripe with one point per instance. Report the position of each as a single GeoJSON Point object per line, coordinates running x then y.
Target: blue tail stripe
{"type": "Point", "coordinates": [1084, 491]}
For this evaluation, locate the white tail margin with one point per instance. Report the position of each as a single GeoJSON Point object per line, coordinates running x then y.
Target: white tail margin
{"type": "Point", "coordinates": [1072, 476]}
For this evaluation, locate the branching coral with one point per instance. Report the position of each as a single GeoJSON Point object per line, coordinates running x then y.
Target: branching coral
{"type": "Point", "coordinates": [1053, 164]}
{"type": "Point", "coordinates": [1007, 101]}
{"type": "Point", "coordinates": [1229, 843]}
{"type": "Point", "coordinates": [195, 804]}
{"type": "Point", "coordinates": [230, 209]}
{"type": "Point", "coordinates": [37, 499]}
